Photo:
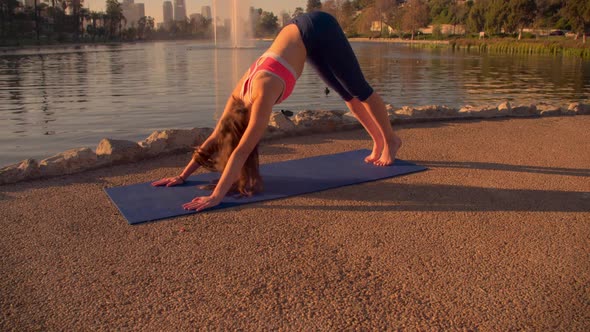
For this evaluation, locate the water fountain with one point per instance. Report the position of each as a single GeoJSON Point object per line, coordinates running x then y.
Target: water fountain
{"type": "Point", "coordinates": [231, 24]}
{"type": "Point", "coordinates": [234, 48]}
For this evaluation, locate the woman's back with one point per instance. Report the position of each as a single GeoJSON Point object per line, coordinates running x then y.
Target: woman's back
{"type": "Point", "coordinates": [289, 46]}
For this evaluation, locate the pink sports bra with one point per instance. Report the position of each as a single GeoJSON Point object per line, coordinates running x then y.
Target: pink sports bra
{"type": "Point", "coordinates": [275, 65]}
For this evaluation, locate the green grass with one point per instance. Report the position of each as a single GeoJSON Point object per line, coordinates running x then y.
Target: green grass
{"type": "Point", "coordinates": [510, 46]}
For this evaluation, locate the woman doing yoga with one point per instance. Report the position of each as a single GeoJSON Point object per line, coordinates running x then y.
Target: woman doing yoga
{"type": "Point", "coordinates": [232, 147]}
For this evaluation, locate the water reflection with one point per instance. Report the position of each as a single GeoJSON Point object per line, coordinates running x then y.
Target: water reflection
{"type": "Point", "coordinates": [52, 99]}
{"type": "Point", "coordinates": [47, 114]}
{"type": "Point", "coordinates": [81, 66]}
{"type": "Point", "coordinates": [18, 111]}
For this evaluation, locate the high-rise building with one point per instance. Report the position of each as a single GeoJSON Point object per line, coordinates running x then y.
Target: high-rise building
{"type": "Point", "coordinates": [129, 12]}
{"type": "Point", "coordinates": [196, 17]}
{"type": "Point", "coordinates": [206, 12]}
{"type": "Point", "coordinates": [132, 12]}
{"type": "Point", "coordinates": [179, 10]}
{"type": "Point", "coordinates": [168, 12]}
{"type": "Point", "coordinates": [140, 9]}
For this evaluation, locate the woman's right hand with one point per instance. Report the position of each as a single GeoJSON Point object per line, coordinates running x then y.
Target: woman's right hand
{"type": "Point", "coordinates": [169, 182]}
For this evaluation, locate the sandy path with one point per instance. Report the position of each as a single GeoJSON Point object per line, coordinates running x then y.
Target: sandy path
{"type": "Point", "coordinates": [495, 236]}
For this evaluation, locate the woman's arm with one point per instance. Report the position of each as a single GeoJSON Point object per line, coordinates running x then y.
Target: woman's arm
{"type": "Point", "coordinates": [193, 165]}
{"type": "Point", "coordinates": [259, 116]}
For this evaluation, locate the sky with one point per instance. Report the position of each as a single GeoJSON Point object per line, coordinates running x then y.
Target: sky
{"type": "Point", "coordinates": [153, 8]}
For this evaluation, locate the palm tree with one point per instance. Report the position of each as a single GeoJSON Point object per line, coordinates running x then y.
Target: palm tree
{"type": "Point", "coordinates": [59, 24]}
{"type": "Point", "coordinates": [84, 16]}
{"type": "Point", "coordinates": [94, 16]}
{"type": "Point", "coordinates": [115, 16]}
{"type": "Point", "coordinates": [36, 16]}
{"type": "Point", "coordinates": [76, 13]}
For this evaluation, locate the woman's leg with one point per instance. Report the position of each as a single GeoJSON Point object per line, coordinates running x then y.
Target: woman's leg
{"type": "Point", "coordinates": [365, 118]}
{"type": "Point", "coordinates": [330, 53]}
{"type": "Point", "coordinates": [337, 64]}
{"type": "Point", "coordinates": [357, 107]}
{"type": "Point", "coordinates": [372, 115]}
{"type": "Point", "coordinates": [389, 143]}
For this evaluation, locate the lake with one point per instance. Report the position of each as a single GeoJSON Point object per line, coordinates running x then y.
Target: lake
{"type": "Point", "coordinates": [52, 99]}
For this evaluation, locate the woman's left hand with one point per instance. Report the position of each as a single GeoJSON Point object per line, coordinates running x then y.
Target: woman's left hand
{"type": "Point", "coordinates": [201, 203]}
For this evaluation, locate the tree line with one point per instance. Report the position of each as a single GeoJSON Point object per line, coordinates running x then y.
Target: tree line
{"type": "Point", "coordinates": [494, 17]}
{"type": "Point", "coordinates": [68, 20]}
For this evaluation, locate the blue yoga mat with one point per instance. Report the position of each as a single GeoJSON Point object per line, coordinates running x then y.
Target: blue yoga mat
{"type": "Point", "coordinates": [141, 202]}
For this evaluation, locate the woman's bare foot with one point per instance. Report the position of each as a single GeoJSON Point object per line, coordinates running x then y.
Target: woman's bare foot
{"type": "Point", "coordinates": [389, 151]}
{"type": "Point", "coordinates": [375, 154]}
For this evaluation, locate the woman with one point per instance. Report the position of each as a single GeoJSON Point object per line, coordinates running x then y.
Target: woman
{"type": "Point", "coordinates": [232, 147]}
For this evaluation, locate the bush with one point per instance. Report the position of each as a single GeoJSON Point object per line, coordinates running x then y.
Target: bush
{"type": "Point", "coordinates": [437, 32]}
{"type": "Point", "coordinates": [528, 35]}
{"type": "Point", "coordinates": [62, 37]}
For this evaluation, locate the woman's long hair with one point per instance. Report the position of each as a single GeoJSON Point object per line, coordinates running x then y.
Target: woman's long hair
{"type": "Point", "coordinates": [232, 127]}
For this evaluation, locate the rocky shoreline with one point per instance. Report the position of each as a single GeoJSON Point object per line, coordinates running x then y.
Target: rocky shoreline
{"type": "Point", "coordinates": [111, 152]}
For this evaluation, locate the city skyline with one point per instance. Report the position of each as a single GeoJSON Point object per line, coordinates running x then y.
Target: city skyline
{"type": "Point", "coordinates": [154, 9]}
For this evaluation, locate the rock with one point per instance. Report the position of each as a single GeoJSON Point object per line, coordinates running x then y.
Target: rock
{"type": "Point", "coordinates": [280, 121]}
{"type": "Point", "coordinates": [320, 121]}
{"type": "Point", "coordinates": [392, 116]}
{"type": "Point", "coordinates": [350, 118]}
{"type": "Point", "coordinates": [405, 112]}
{"type": "Point", "coordinates": [71, 161]}
{"type": "Point", "coordinates": [434, 112]}
{"type": "Point", "coordinates": [469, 111]}
{"type": "Point", "coordinates": [505, 108]}
{"type": "Point", "coordinates": [480, 111]}
{"type": "Point", "coordinates": [487, 112]}
{"type": "Point", "coordinates": [549, 110]}
{"type": "Point", "coordinates": [113, 151]}
{"type": "Point", "coordinates": [524, 110]}
{"type": "Point", "coordinates": [466, 111]}
{"type": "Point", "coordinates": [579, 108]}
{"type": "Point", "coordinates": [26, 169]}
{"type": "Point", "coordinates": [174, 140]}
{"type": "Point", "coordinates": [154, 145]}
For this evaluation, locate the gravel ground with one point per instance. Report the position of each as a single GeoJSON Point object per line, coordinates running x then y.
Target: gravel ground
{"type": "Point", "coordinates": [495, 236]}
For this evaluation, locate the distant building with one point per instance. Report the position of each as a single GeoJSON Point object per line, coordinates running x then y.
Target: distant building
{"type": "Point", "coordinates": [445, 29]}
{"type": "Point", "coordinates": [284, 18]}
{"type": "Point", "coordinates": [206, 12]}
{"type": "Point", "coordinates": [168, 12]}
{"type": "Point", "coordinates": [31, 3]}
{"type": "Point", "coordinates": [140, 9]}
{"type": "Point", "coordinates": [129, 12]}
{"type": "Point", "coordinates": [380, 26]}
{"type": "Point", "coordinates": [196, 17]}
{"type": "Point", "coordinates": [132, 12]}
{"type": "Point", "coordinates": [179, 10]}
